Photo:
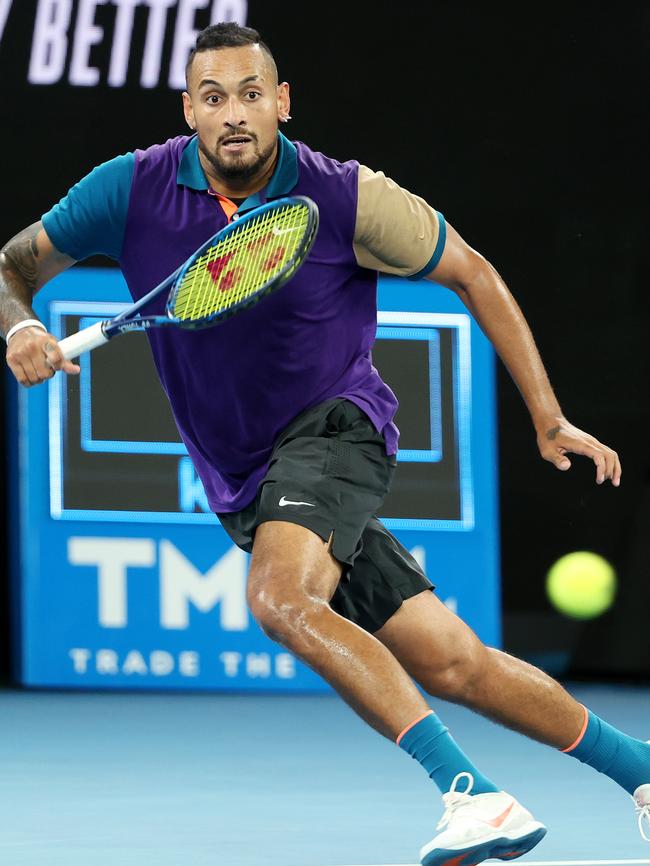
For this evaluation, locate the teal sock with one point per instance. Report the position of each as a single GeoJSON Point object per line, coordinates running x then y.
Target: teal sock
{"type": "Point", "coordinates": [429, 742]}
{"type": "Point", "coordinates": [610, 751]}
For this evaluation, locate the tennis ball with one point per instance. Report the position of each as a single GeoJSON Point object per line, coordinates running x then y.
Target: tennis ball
{"type": "Point", "coordinates": [581, 585]}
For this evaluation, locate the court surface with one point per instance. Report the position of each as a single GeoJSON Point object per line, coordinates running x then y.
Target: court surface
{"type": "Point", "coordinates": [242, 780]}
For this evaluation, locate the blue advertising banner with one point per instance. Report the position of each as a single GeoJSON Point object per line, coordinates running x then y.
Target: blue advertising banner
{"type": "Point", "coordinates": [122, 576]}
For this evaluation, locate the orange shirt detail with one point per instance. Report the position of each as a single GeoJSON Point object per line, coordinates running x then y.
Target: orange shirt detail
{"type": "Point", "coordinates": [228, 207]}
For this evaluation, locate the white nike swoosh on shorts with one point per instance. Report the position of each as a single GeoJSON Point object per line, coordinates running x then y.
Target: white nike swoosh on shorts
{"type": "Point", "coordinates": [285, 501]}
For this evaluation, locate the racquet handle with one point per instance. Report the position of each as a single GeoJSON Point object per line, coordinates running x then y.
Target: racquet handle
{"type": "Point", "coordinates": [83, 341]}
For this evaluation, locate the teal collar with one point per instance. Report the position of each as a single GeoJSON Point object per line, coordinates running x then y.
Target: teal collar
{"type": "Point", "coordinates": [285, 177]}
{"type": "Point", "coordinates": [190, 173]}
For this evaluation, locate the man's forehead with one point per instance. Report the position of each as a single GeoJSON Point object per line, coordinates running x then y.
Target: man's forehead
{"type": "Point", "coordinates": [231, 65]}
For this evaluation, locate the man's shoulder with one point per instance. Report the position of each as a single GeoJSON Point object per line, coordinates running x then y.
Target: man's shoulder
{"type": "Point", "coordinates": [320, 163]}
{"type": "Point", "coordinates": [171, 149]}
{"type": "Point", "coordinates": [333, 185]}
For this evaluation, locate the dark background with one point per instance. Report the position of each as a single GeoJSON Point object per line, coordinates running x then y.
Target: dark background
{"type": "Point", "coordinates": [527, 129]}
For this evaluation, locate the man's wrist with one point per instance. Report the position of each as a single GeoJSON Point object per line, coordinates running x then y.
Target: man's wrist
{"type": "Point", "coordinates": [26, 323]}
{"type": "Point", "coordinates": [547, 422]}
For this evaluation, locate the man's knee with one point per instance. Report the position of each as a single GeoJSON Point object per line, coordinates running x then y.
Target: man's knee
{"type": "Point", "coordinates": [457, 675]}
{"type": "Point", "coordinates": [281, 612]}
{"type": "Point", "coordinates": [292, 577]}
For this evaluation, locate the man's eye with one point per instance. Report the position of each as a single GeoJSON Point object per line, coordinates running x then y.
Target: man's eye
{"type": "Point", "coordinates": [252, 95]}
{"type": "Point", "coordinates": [213, 99]}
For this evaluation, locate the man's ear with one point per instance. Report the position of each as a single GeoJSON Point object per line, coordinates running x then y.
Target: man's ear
{"type": "Point", "coordinates": [284, 102]}
{"type": "Point", "coordinates": [188, 111]}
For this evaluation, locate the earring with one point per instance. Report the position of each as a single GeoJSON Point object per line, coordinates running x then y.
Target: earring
{"type": "Point", "coordinates": [285, 118]}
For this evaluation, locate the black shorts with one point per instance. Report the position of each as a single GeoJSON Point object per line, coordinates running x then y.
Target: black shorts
{"type": "Point", "coordinates": [329, 472]}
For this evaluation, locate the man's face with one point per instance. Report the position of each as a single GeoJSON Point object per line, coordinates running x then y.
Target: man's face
{"type": "Point", "coordinates": [234, 102]}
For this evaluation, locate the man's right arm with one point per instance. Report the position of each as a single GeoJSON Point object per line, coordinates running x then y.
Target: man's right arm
{"type": "Point", "coordinates": [27, 262]}
{"type": "Point", "coordinates": [89, 220]}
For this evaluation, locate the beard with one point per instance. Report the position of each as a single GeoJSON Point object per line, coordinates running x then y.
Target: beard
{"type": "Point", "coordinates": [238, 167]}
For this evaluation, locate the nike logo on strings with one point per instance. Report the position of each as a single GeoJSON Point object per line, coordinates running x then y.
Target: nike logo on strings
{"type": "Point", "coordinates": [278, 231]}
{"type": "Point", "coordinates": [285, 501]}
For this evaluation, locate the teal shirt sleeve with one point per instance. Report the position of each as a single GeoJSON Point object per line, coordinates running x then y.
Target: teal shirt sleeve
{"type": "Point", "coordinates": [91, 218]}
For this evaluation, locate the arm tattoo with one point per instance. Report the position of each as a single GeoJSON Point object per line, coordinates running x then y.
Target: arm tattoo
{"type": "Point", "coordinates": [552, 433]}
{"type": "Point", "coordinates": [19, 271]}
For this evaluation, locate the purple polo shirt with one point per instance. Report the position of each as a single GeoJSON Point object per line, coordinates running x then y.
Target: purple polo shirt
{"type": "Point", "coordinates": [233, 388]}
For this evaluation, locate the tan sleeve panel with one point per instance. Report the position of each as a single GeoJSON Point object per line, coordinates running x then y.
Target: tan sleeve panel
{"type": "Point", "coordinates": [396, 232]}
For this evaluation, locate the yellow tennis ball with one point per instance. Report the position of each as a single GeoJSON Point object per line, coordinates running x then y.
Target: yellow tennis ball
{"type": "Point", "coordinates": [581, 585]}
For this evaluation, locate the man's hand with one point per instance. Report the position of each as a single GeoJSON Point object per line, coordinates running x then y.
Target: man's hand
{"type": "Point", "coordinates": [561, 438]}
{"type": "Point", "coordinates": [34, 356]}
{"type": "Point", "coordinates": [488, 299]}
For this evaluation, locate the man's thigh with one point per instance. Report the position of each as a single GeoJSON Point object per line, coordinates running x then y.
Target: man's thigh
{"type": "Point", "coordinates": [328, 476]}
{"type": "Point", "coordinates": [424, 635]}
{"type": "Point", "coordinates": [384, 576]}
{"type": "Point", "coordinates": [292, 562]}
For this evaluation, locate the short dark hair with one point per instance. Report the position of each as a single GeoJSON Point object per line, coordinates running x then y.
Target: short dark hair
{"type": "Point", "coordinates": [227, 34]}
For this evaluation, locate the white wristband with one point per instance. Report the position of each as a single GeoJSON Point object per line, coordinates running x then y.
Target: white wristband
{"type": "Point", "coordinates": [27, 323]}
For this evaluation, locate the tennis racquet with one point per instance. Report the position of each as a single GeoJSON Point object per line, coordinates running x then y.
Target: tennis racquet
{"type": "Point", "coordinates": [231, 271]}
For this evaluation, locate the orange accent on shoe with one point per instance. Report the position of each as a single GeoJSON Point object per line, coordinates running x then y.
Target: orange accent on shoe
{"type": "Point", "coordinates": [412, 725]}
{"type": "Point", "coordinates": [581, 735]}
{"type": "Point", "coordinates": [457, 861]}
{"type": "Point", "coordinates": [498, 821]}
{"type": "Point", "coordinates": [510, 855]}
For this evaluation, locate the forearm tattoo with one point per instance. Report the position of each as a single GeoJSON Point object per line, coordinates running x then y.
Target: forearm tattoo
{"type": "Point", "coordinates": [19, 270]}
{"type": "Point", "coordinates": [552, 433]}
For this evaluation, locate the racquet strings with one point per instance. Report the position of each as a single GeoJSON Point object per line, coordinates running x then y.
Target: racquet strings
{"type": "Point", "coordinates": [249, 258]}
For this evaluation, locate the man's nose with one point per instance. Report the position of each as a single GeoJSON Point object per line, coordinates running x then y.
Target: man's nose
{"type": "Point", "coordinates": [235, 112]}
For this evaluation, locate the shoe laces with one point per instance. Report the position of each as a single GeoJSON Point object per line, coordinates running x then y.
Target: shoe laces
{"type": "Point", "coordinates": [455, 799]}
{"type": "Point", "coordinates": [643, 811]}
{"type": "Point", "coordinates": [644, 818]}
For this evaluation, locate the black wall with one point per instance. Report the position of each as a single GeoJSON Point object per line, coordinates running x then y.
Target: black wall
{"type": "Point", "coordinates": [527, 131]}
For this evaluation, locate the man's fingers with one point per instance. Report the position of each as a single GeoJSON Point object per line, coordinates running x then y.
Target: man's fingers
{"type": "Point", "coordinates": [42, 366]}
{"type": "Point", "coordinates": [55, 358]}
{"type": "Point", "coordinates": [34, 357]}
{"type": "Point", "coordinates": [601, 467]}
{"type": "Point", "coordinates": [53, 354]}
{"type": "Point", "coordinates": [606, 460]}
{"type": "Point", "coordinates": [610, 462]}
{"type": "Point", "coordinates": [555, 444]}
{"type": "Point", "coordinates": [34, 370]}
{"type": "Point", "coordinates": [563, 462]}
{"type": "Point", "coordinates": [35, 364]}
{"type": "Point", "coordinates": [613, 467]}
{"type": "Point", "coordinates": [20, 374]}
{"type": "Point", "coordinates": [558, 457]}
{"type": "Point", "coordinates": [608, 466]}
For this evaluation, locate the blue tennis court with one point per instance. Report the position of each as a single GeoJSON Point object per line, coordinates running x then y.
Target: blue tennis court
{"type": "Point", "coordinates": [120, 779]}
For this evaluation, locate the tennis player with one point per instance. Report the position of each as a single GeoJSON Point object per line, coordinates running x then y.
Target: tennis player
{"type": "Point", "coordinates": [291, 427]}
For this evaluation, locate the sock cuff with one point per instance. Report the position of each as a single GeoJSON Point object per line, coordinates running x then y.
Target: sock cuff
{"type": "Point", "coordinates": [412, 725]}
{"type": "Point", "coordinates": [581, 735]}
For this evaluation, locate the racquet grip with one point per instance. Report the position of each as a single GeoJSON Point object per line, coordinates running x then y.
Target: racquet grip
{"type": "Point", "coordinates": [83, 341]}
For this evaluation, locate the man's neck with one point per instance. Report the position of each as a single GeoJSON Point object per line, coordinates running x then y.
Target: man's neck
{"type": "Point", "coordinates": [238, 191]}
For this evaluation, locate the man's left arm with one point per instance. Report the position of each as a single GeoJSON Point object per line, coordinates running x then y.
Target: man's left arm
{"type": "Point", "coordinates": [486, 296]}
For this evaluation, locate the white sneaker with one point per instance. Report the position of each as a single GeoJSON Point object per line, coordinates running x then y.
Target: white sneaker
{"type": "Point", "coordinates": [642, 803]}
{"type": "Point", "coordinates": [479, 827]}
